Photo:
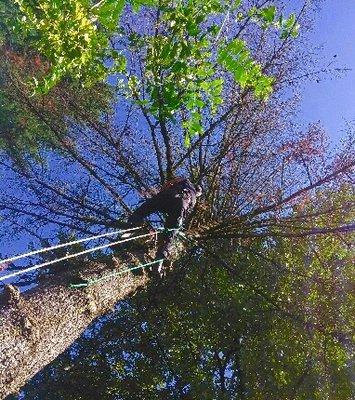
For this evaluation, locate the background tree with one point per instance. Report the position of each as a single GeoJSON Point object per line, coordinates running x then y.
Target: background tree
{"type": "Point", "coordinates": [278, 324]}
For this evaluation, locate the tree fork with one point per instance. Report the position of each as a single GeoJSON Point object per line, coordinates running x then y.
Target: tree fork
{"type": "Point", "coordinates": [39, 325]}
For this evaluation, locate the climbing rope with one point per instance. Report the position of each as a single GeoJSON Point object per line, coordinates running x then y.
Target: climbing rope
{"type": "Point", "coordinates": [140, 266]}
{"type": "Point", "coordinates": [45, 264]}
{"type": "Point", "coordinates": [94, 281]}
{"type": "Point", "coordinates": [58, 246]}
{"type": "Point", "coordinates": [69, 256]}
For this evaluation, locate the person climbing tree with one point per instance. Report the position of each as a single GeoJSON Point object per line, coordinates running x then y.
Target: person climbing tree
{"type": "Point", "coordinates": [175, 200]}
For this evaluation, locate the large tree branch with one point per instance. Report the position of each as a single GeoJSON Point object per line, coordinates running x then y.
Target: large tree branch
{"type": "Point", "coordinates": [298, 193]}
{"type": "Point", "coordinates": [311, 231]}
{"type": "Point", "coordinates": [168, 149]}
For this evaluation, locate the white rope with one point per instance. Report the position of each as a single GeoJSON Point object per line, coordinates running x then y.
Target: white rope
{"type": "Point", "coordinates": [223, 23]}
{"type": "Point", "coordinates": [23, 271]}
{"type": "Point", "coordinates": [58, 246]}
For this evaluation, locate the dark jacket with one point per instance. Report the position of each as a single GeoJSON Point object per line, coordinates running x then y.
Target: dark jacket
{"type": "Point", "coordinates": [176, 200]}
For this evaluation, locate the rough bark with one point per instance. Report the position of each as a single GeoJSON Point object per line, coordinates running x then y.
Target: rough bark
{"type": "Point", "coordinates": [39, 325]}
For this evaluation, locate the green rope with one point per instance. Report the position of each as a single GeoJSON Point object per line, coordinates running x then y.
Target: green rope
{"type": "Point", "coordinates": [94, 281]}
{"type": "Point", "coordinates": [168, 229]}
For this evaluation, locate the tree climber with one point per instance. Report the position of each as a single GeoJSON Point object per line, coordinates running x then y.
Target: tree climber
{"type": "Point", "coordinates": [176, 199]}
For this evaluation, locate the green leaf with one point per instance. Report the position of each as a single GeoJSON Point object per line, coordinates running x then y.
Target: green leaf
{"type": "Point", "coordinates": [109, 12]}
{"type": "Point", "coordinates": [289, 27]}
{"type": "Point", "coordinates": [268, 14]}
{"type": "Point", "coordinates": [187, 141]}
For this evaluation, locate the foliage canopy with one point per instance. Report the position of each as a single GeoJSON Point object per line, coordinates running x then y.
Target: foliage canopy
{"type": "Point", "coordinates": [184, 59]}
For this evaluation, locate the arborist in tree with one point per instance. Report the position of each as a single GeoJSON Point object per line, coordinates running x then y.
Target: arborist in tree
{"type": "Point", "coordinates": [175, 200]}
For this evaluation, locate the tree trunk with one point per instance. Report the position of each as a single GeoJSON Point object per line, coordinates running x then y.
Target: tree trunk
{"type": "Point", "coordinates": [39, 325]}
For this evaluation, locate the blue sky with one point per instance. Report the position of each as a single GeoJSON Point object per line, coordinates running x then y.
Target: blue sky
{"type": "Point", "coordinates": [332, 100]}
